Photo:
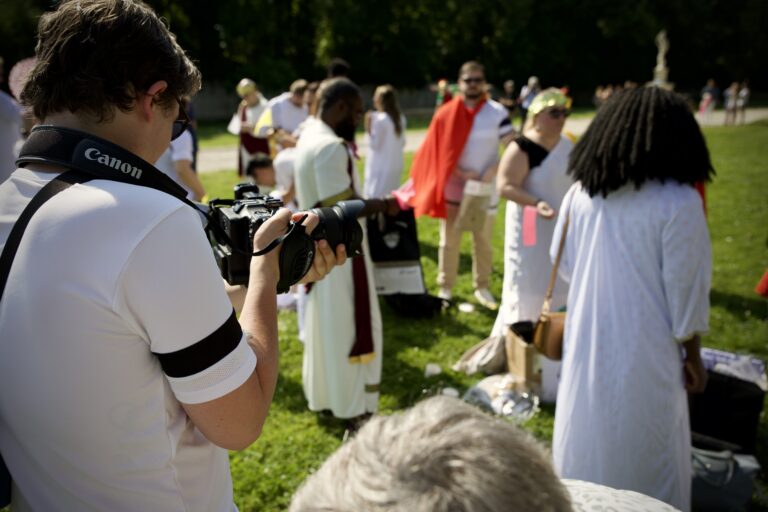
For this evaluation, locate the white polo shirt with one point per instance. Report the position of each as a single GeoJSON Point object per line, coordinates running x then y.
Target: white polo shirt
{"type": "Point", "coordinates": [114, 313]}
{"type": "Point", "coordinates": [181, 148]}
{"type": "Point", "coordinates": [10, 134]}
{"type": "Point", "coordinates": [491, 124]}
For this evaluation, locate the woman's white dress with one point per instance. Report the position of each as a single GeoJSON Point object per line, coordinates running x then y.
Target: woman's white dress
{"type": "Point", "coordinates": [639, 265]}
{"type": "Point", "coordinates": [527, 269]}
{"type": "Point", "coordinates": [384, 161]}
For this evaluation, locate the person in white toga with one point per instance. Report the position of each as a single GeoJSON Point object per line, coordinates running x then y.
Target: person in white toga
{"type": "Point", "coordinates": [638, 261]}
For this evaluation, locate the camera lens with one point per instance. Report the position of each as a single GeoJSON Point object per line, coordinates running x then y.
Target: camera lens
{"type": "Point", "coordinates": [338, 225]}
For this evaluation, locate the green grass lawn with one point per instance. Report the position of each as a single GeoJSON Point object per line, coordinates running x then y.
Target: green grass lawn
{"type": "Point", "coordinates": [214, 134]}
{"type": "Point", "coordinates": [296, 441]}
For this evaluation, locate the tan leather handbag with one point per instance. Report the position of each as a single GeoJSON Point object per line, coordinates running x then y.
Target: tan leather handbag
{"type": "Point", "coordinates": [548, 334]}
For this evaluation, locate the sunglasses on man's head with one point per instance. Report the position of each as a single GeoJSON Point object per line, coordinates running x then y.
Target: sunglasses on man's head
{"type": "Point", "coordinates": [473, 80]}
{"type": "Point", "coordinates": [557, 113]}
{"type": "Point", "coordinates": [180, 124]}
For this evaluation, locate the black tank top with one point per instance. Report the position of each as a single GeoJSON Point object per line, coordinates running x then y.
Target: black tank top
{"type": "Point", "coordinates": [536, 153]}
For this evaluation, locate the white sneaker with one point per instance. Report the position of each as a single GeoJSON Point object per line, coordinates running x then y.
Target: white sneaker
{"type": "Point", "coordinates": [445, 294]}
{"type": "Point", "coordinates": [486, 299]}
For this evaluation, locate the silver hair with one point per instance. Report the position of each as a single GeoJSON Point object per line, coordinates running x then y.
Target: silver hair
{"type": "Point", "coordinates": [441, 455]}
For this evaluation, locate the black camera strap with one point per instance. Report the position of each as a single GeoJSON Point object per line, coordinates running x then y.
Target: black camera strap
{"type": "Point", "coordinates": [96, 157]}
{"type": "Point", "coordinates": [103, 160]}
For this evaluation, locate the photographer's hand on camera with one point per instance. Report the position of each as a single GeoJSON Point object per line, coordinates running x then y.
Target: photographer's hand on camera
{"type": "Point", "coordinates": [246, 408]}
{"type": "Point", "coordinates": [324, 261]}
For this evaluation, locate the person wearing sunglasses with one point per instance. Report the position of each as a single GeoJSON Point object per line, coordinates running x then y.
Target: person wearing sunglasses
{"type": "Point", "coordinates": [462, 146]}
{"type": "Point", "coordinates": [126, 374]}
{"type": "Point", "coordinates": [533, 181]}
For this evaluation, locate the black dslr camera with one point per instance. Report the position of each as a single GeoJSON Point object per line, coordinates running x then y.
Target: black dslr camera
{"type": "Point", "coordinates": [233, 222]}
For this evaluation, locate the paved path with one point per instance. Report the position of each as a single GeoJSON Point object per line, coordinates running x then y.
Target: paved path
{"type": "Point", "coordinates": [216, 159]}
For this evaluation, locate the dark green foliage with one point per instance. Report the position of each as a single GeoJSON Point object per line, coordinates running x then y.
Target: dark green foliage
{"type": "Point", "coordinates": [580, 43]}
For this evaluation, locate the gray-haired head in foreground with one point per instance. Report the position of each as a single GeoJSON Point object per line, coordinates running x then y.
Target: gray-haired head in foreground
{"type": "Point", "coordinates": [441, 455]}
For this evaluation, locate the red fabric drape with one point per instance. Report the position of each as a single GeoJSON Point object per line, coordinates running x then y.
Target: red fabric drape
{"type": "Point", "coordinates": [251, 144]}
{"type": "Point", "coordinates": [438, 155]}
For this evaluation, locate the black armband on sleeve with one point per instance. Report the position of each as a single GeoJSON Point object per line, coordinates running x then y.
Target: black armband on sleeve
{"type": "Point", "coordinates": [205, 353]}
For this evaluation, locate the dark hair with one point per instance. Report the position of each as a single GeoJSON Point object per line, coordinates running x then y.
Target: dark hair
{"type": "Point", "coordinates": [94, 55]}
{"type": "Point", "coordinates": [640, 135]}
{"type": "Point", "coordinates": [338, 68]}
{"type": "Point", "coordinates": [389, 103]}
{"type": "Point", "coordinates": [333, 91]}
{"type": "Point", "coordinates": [259, 161]}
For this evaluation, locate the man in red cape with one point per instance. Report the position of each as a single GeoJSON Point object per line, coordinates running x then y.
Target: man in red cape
{"type": "Point", "coordinates": [462, 144]}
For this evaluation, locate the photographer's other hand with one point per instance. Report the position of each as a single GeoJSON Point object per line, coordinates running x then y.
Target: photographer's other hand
{"type": "Point", "coordinates": [325, 258]}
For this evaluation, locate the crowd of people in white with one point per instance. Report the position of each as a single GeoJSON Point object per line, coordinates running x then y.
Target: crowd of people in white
{"type": "Point", "coordinates": [634, 279]}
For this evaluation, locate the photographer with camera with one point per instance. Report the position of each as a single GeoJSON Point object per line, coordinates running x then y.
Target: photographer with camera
{"type": "Point", "coordinates": [125, 372]}
{"type": "Point", "coordinates": [342, 322]}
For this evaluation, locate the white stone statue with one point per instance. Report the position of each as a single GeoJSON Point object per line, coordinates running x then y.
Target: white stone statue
{"type": "Point", "coordinates": [660, 72]}
{"type": "Point", "coordinates": [662, 43]}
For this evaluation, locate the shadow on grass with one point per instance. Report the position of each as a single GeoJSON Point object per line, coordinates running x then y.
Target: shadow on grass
{"type": "Point", "coordinates": [743, 307]}
{"type": "Point", "coordinates": [423, 333]}
{"type": "Point", "coordinates": [428, 250]}
{"type": "Point", "coordinates": [406, 384]}
{"type": "Point", "coordinates": [291, 393]}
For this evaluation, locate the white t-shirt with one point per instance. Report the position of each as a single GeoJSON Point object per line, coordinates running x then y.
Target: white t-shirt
{"type": "Point", "coordinates": [114, 313]}
{"type": "Point", "coordinates": [284, 175]}
{"type": "Point", "coordinates": [180, 149]}
{"type": "Point", "coordinates": [491, 124]}
{"type": "Point", "coordinates": [10, 134]}
{"type": "Point", "coordinates": [283, 164]}
{"type": "Point", "coordinates": [285, 114]}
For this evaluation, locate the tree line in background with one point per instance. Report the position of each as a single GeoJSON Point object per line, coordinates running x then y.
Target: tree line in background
{"type": "Point", "coordinates": [409, 43]}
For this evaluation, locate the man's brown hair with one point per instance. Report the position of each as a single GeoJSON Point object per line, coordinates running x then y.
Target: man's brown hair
{"type": "Point", "coordinates": [471, 65]}
{"type": "Point", "coordinates": [298, 86]}
{"type": "Point", "coordinates": [95, 55]}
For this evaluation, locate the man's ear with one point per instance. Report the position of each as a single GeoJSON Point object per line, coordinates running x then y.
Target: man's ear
{"type": "Point", "coordinates": [147, 100]}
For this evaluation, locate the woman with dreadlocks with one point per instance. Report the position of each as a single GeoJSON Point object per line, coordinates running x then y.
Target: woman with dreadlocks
{"type": "Point", "coordinates": [638, 259]}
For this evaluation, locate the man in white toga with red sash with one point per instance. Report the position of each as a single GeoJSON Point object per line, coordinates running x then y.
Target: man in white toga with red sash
{"type": "Point", "coordinates": [343, 330]}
